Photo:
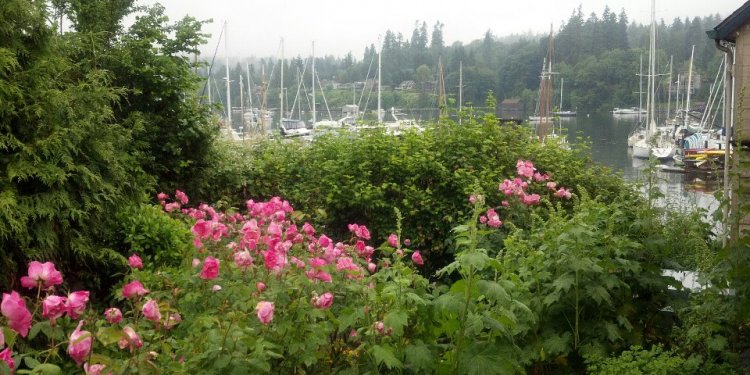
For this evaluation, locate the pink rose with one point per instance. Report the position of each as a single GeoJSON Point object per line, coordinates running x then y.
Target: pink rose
{"type": "Point", "coordinates": [151, 311]}
{"type": "Point", "coordinates": [324, 241]}
{"type": "Point", "coordinates": [379, 326]}
{"type": "Point", "coordinates": [41, 274]}
{"type": "Point", "coordinates": [531, 199]}
{"type": "Point", "coordinates": [261, 286]}
{"type": "Point", "coordinates": [174, 206]}
{"type": "Point", "coordinates": [196, 262]}
{"type": "Point", "coordinates": [173, 320]}
{"type": "Point", "coordinates": [14, 309]}
{"type": "Point", "coordinates": [372, 267]}
{"type": "Point", "coordinates": [552, 185]}
{"type": "Point", "coordinates": [93, 369]}
{"type": "Point", "coordinates": [393, 240]}
{"type": "Point", "coordinates": [132, 339]}
{"type": "Point", "coordinates": [563, 193]}
{"type": "Point", "coordinates": [324, 301]}
{"type": "Point", "coordinates": [210, 268]}
{"type": "Point", "coordinates": [134, 289]}
{"type": "Point", "coordinates": [181, 196]}
{"type": "Point", "coordinates": [243, 259]}
{"type": "Point", "coordinates": [216, 288]}
{"type": "Point", "coordinates": [53, 307]}
{"type": "Point", "coordinates": [416, 257]}
{"type": "Point", "coordinates": [79, 345]}
{"type": "Point", "coordinates": [265, 311]}
{"type": "Point", "coordinates": [362, 232]}
{"type": "Point", "coordinates": [135, 261]}
{"type": "Point", "coordinates": [472, 199]}
{"type": "Point", "coordinates": [407, 242]}
{"type": "Point", "coordinates": [113, 315]}
{"type": "Point", "coordinates": [7, 357]}
{"type": "Point", "coordinates": [76, 303]}
{"type": "Point", "coordinates": [162, 196]}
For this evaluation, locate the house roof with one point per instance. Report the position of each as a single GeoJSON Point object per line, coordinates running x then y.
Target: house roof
{"type": "Point", "coordinates": [725, 30]}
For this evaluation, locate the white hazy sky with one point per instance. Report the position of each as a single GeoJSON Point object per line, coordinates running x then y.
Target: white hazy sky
{"type": "Point", "coordinates": [339, 26]}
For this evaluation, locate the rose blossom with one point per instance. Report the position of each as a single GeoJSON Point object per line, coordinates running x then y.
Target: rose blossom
{"type": "Point", "coordinates": [151, 311]}
{"type": "Point", "coordinates": [7, 357]}
{"type": "Point", "coordinates": [53, 307]}
{"type": "Point", "coordinates": [135, 261]}
{"type": "Point", "coordinates": [416, 257]}
{"type": "Point", "coordinates": [265, 311]}
{"type": "Point", "coordinates": [173, 320]}
{"type": "Point", "coordinates": [113, 315]}
{"type": "Point", "coordinates": [76, 303]}
{"type": "Point", "coordinates": [243, 259]}
{"type": "Point", "coordinates": [393, 240]}
{"type": "Point", "coordinates": [216, 288]}
{"type": "Point", "coordinates": [210, 268]}
{"type": "Point", "coordinates": [43, 274]}
{"type": "Point", "coordinates": [181, 196]}
{"type": "Point", "coordinates": [14, 309]}
{"type": "Point", "coordinates": [260, 286]}
{"type": "Point", "coordinates": [134, 289]}
{"type": "Point", "coordinates": [79, 345]}
{"type": "Point", "coordinates": [93, 369]}
{"type": "Point", "coordinates": [132, 340]}
{"type": "Point", "coordinates": [324, 301]}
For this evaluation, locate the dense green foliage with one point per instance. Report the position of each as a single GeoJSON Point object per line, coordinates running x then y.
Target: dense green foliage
{"type": "Point", "coordinates": [91, 119]}
{"type": "Point", "coordinates": [360, 178]}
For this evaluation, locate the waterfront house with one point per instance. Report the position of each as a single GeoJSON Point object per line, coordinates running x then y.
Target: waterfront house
{"type": "Point", "coordinates": [732, 36]}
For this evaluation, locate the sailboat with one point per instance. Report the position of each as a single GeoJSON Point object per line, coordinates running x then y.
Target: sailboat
{"type": "Point", "coordinates": [543, 113]}
{"type": "Point", "coordinates": [652, 143]}
{"type": "Point", "coordinates": [289, 127]}
{"type": "Point", "coordinates": [560, 112]}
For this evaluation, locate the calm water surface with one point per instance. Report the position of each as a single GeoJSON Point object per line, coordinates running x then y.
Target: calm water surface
{"type": "Point", "coordinates": [608, 136]}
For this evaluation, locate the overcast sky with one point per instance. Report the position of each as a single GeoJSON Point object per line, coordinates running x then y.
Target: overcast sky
{"type": "Point", "coordinates": [338, 26]}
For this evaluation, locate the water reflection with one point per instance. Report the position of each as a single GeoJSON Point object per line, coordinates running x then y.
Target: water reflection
{"type": "Point", "coordinates": [608, 136]}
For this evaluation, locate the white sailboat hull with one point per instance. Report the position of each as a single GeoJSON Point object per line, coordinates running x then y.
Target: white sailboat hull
{"type": "Point", "coordinates": [641, 150]}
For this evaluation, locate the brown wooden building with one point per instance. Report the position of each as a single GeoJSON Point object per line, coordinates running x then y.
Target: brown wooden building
{"type": "Point", "coordinates": [732, 36]}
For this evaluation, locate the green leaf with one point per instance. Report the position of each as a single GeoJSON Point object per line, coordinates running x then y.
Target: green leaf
{"type": "Point", "coordinates": [419, 358]}
{"type": "Point", "coordinates": [46, 369]}
{"type": "Point", "coordinates": [557, 344]}
{"type": "Point", "coordinates": [396, 320]}
{"type": "Point", "coordinates": [31, 362]}
{"type": "Point", "coordinates": [384, 355]}
{"type": "Point", "coordinates": [613, 333]}
{"type": "Point", "coordinates": [564, 282]}
{"type": "Point", "coordinates": [493, 291]}
{"type": "Point", "coordinates": [110, 335]}
{"type": "Point", "coordinates": [598, 294]}
{"type": "Point", "coordinates": [4, 369]}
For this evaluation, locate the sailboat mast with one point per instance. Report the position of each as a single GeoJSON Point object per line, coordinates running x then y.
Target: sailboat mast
{"type": "Point", "coordinates": [460, 89]}
{"type": "Point", "coordinates": [687, 95]}
{"type": "Point", "coordinates": [242, 105]}
{"type": "Point", "coordinates": [669, 95]}
{"type": "Point", "coordinates": [562, 84]}
{"type": "Point", "coordinates": [313, 83]}
{"type": "Point", "coordinates": [380, 115]}
{"type": "Point", "coordinates": [226, 57]}
{"type": "Point", "coordinates": [249, 88]}
{"type": "Point", "coordinates": [640, 86]}
{"type": "Point", "coordinates": [209, 90]}
{"type": "Point", "coordinates": [281, 86]}
{"type": "Point", "coordinates": [652, 70]}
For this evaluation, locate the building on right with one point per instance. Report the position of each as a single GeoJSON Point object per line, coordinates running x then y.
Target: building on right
{"type": "Point", "coordinates": [732, 36]}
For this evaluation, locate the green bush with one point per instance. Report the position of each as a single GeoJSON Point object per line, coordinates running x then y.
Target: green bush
{"type": "Point", "coordinates": [345, 178]}
{"type": "Point", "coordinates": [150, 232]}
{"type": "Point", "coordinates": [639, 361]}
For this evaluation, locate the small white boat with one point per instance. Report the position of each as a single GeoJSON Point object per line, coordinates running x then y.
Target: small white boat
{"type": "Point", "coordinates": [629, 111]}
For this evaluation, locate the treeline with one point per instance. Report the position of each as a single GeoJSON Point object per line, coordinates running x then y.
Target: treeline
{"type": "Point", "coordinates": [598, 56]}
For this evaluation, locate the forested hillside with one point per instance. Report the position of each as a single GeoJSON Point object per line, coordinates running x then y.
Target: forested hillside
{"type": "Point", "coordinates": [597, 55]}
